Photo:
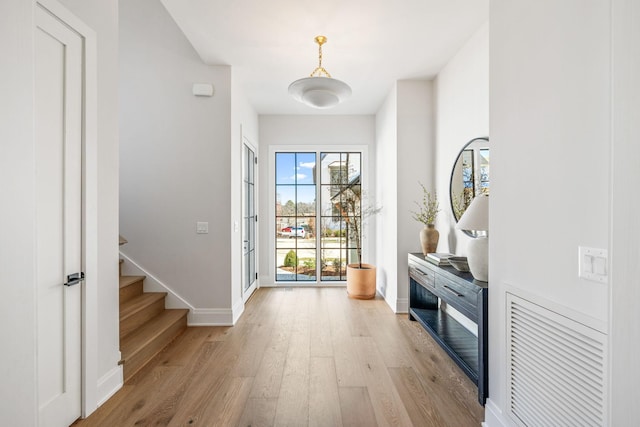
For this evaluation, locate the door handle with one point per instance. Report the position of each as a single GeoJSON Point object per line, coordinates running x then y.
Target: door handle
{"type": "Point", "coordinates": [74, 279]}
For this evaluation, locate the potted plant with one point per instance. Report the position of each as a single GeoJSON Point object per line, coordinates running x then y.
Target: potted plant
{"type": "Point", "coordinates": [361, 277]}
{"type": "Point", "coordinates": [426, 214]}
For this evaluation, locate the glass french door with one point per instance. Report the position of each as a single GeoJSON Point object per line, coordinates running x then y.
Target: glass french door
{"type": "Point", "coordinates": [249, 223]}
{"type": "Point", "coordinates": [314, 242]}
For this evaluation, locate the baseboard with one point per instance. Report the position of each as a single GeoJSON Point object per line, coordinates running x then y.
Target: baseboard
{"type": "Point", "coordinates": [397, 305]}
{"type": "Point", "coordinates": [266, 281]}
{"type": "Point", "coordinates": [153, 284]}
{"type": "Point", "coordinates": [237, 310]}
{"type": "Point", "coordinates": [390, 302]}
{"type": "Point", "coordinates": [402, 305]}
{"type": "Point", "coordinates": [109, 384]}
{"type": "Point", "coordinates": [493, 416]}
{"type": "Point", "coordinates": [210, 317]}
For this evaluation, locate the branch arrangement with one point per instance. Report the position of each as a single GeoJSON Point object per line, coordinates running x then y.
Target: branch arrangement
{"type": "Point", "coordinates": [428, 210]}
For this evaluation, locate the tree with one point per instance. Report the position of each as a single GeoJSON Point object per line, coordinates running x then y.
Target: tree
{"type": "Point", "coordinates": [289, 208]}
{"type": "Point", "coordinates": [350, 206]}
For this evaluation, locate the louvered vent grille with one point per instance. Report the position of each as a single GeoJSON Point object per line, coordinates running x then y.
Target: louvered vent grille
{"type": "Point", "coordinates": [556, 368]}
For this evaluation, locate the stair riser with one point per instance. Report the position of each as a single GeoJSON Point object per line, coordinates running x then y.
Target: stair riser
{"type": "Point", "coordinates": [137, 361]}
{"type": "Point", "coordinates": [133, 322]}
{"type": "Point", "coordinates": [129, 292]}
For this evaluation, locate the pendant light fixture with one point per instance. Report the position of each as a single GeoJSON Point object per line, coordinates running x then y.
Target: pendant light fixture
{"type": "Point", "coordinates": [319, 90]}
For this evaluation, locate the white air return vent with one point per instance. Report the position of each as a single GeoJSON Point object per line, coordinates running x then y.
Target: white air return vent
{"type": "Point", "coordinates": [557, 368]}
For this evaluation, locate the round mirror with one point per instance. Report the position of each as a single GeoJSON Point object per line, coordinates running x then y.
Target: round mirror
{"type": "Point", "coordinates": [469, 176]}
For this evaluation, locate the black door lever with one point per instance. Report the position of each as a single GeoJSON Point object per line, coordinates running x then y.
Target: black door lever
{"type": "Point", "coordinates": [74, 279]}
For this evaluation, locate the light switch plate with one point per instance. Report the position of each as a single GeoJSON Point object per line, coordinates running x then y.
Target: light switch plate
{"type": "Point", "coordinates": [593, 264]}
{"type": "Point", "coordinates": [202, 227]}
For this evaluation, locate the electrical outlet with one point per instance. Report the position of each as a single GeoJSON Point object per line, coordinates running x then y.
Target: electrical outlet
{"type": "Point", "coordinates": [593, 264]}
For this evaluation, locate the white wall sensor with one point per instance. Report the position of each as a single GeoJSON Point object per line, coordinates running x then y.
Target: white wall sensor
{"type": "Point", "coordinates": [203, 89]}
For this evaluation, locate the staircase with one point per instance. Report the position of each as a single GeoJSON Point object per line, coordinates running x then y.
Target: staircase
{"type": "Point", "coordinates": [146, 327]}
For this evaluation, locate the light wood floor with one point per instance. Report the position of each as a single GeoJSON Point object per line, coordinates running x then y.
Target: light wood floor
{"type": "Point", "coordinates": [299, 357]}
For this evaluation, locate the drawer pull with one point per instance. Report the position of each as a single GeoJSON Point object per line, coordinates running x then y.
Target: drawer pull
{"type": "Point", "coordinates": [452, 291]}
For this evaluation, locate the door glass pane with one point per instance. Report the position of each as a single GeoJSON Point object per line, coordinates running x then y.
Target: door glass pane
{"type": "Point", "coordinates": [249, 223]}
{"type": "Point", "coordinates": [250, 202]}
{"type": "Point", "coordinates": [251, 161]}
{"type": "Point", "coordinates": [305, 168]}
{"type": "Point", "coordinates": [306, 200]}
{"type": "Point", "coordinates": [285, 232]}
{"type": "Point", "coordinates": [285, 168]}
{"type": "Point", "coordinates": [341, 194]}
{"type": "Point", "coordinates": [333, 264]}
{"type": "Point", "coordinates": [286, 264]}
{"type": "Point", "coordinates": [352, 161]}
{"type": "Point", "coordinates": [295, 226]}
{"type": "Point", "coordinates": [306, 264]}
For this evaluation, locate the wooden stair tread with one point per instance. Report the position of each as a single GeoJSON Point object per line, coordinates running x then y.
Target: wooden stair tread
{"type": "Point", "coordinates": [129, 280]}
{"type": "Point", "coordinates": [144, 335]}
{"type": "Point", "coordinates": [138, 303]}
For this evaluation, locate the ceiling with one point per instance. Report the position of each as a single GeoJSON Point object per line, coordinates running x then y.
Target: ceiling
{"type": "Point", "coordinates": [370, 43]}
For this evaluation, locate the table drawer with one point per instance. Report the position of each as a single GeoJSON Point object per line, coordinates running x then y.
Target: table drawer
{"type": "Point", "coordinates": [425, 278]}
{"type": "Point", "coordinates": [464, 299]}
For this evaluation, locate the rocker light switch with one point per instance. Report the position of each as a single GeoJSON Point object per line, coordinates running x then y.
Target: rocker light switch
{"type": "Point", "coordinates": [593, 264]}
{"type": "Point", "coordinates": [202, 227]}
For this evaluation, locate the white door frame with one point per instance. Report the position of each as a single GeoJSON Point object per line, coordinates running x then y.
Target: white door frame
{"type": "Point", "coordinates": [90, 381]}
{"type": "Point", "coordinates": [246, 143]}
{"type": "Point", "coordinates": [624, 235]}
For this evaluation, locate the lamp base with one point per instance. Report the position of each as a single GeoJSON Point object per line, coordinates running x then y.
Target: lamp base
{"type": "Point", "coordinates": [478, 258]}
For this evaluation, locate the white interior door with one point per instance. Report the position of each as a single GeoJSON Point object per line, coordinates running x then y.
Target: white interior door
{"type": "Point", "coordinates": [58, 145]}
{"type": "Point", "coordinates": [249, 217]}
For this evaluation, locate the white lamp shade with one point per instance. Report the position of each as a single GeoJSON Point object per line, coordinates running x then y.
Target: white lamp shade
{"type": "Point", "coordinates": [319, 92]}
{"type": "Point", "coordinates": [476, 217]}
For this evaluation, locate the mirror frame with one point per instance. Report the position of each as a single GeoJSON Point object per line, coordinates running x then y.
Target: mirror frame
{"type": "Point", "coordinates": [453, 212]}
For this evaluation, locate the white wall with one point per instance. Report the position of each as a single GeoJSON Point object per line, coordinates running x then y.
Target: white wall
{"type": "Point", "coordinates": [550, 161]}
{"type": "Point", "coordinates": [404, 156]}
{"type": "Point", "coordinates": [175, 159]}
{"type": "Point", "coordinates": [416, 162]}
{"type": "Point", "coordinates": [17, 268]}
{"type": "Point", "coordinates": [386, 185]}
{"type": "Point", "coordinates": [462, 113]}
{"type": "Point", "coordinates": [299, 132]}
{"type": "Point", "coordinates": [18, 405]}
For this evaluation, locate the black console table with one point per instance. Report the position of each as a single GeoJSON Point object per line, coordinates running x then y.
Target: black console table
{"type": "Point", "coordinates": [429, 283]}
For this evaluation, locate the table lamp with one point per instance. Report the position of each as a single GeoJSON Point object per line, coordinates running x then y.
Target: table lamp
{"type": "Point", "coordinates": [476, 218]}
